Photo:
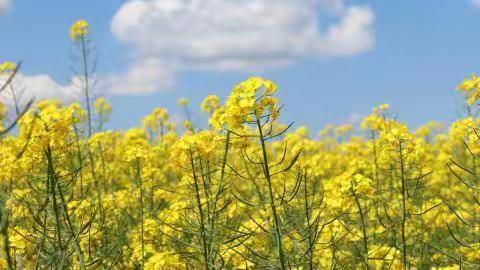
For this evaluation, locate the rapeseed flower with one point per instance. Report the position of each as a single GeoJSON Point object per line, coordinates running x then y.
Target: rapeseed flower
{"type": "Point", "coordinates": [79, 30]}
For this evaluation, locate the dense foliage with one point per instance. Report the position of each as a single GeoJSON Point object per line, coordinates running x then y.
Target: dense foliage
{"type": "Point", "coordinates": [247, 192]}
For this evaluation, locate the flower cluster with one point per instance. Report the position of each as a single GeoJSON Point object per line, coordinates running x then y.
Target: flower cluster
{"type": "Point", "coordinates": [6, 67]}
{"type": "Point", "coordinates": [471, 89]}
{"type": "Point", "coordinates": [249, 101]}
{"type": "Point", "coordinates": [79, 30]}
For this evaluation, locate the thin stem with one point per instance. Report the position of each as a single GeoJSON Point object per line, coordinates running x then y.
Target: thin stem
{"type": "Point", "coordinates": [86, 86]}
{"type": "Point", "coordinates": [52, 181]}
{"type": "Point", "coordinates": [309, 225]}
{"type": "Point", "coordinates": [266, 170]}
{"type": "Point", "coordinates": [6, 242]}
{"type": "Point", "coordinates": [200, 210]}
{"type": "Point", "coordinates": [140, 186]}
{"type": "Point", "coordinates": [364, 229]}
{"type": "Point", "coordinates": [15, 100]}
{"type": "Point", "coordinates": [404, 207]}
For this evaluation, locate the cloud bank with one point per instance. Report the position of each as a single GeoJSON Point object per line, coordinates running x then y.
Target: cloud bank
{"type": "Point", "coordinates": [168, 37]}
{"type": "Point", "coordinates": [40, 87]}
{"type": "Point", "coordinates": [232, 35]}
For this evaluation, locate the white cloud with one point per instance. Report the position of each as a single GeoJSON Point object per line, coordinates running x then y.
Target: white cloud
{"type": "Point", "coordinates": [4, 5]}
{"type": "Point", "coordinates": [40, 87]}
{"type": "Point", "coordinates": [350, 36]}
{"type": "Point", "coordinates": [476, 3]}
{"type": "Point", "coordinates": [143, 77]}
{"type": "Point", "coordinates": [237, 34]}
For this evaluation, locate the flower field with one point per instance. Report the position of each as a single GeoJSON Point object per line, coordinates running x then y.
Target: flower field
{"type": "Point", "coordinates": [245, 192]}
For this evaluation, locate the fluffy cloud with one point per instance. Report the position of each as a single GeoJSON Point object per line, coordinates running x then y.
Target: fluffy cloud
{"type": "Point", "coordinates": [237, 34]}
{"type": "Point", "coordinates": [40, 87]}
{"type": "Point", "coordinates": [4, 5]}
{"type": "Point", "coordinates": [143, 77]}
{"type": "Point", "coordinates": [350, 36]}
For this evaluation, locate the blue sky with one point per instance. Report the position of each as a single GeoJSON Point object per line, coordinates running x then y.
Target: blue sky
{"type": "Point", "coordinates": [421, 50]}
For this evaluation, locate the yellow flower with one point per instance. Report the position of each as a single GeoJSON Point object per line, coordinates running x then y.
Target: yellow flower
{"type": "Point", "coordinates": [384, 107]}
{"type": "Point", "coordinates": [7, 67]}
{"type": "Point", "coordinates": [250, 98]}
{"type": "Point", "coordinates": [270, 87]}
{"type": "Point", "coordinates": [135, 152]}
{"type": "Point", "coordinates": [159, 117]}
{"type": "Point", "coordinates": [469, 84]}
{"type": "Point", "coordinates": [102, 106]}
{"type": "Point", "coordinates": [342, 130]}
{"type": "Point", "coordinates": [473, 97]}
{"type": "Point", "coordinates": [79, 30]}
{"type": "Point", "coordinates": [210, 103]}
{"type": "Point", "coordinates": [471, 89]}
{"type": "Point", "coordinates": [182, 102]}
{"type": "Point", "coordinates": [188, 125]}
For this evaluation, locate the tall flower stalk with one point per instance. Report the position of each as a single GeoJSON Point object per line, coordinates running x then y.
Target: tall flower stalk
{"type": "Point", "coordinates": [79, 33]}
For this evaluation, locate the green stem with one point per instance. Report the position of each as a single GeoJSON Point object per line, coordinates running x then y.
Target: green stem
{"type": "Point", "coordinates": [309, 225]}
{"type": "Point", "coordinates": [140, 184]}
{"type": "Point", "coordinates": [364, 229]}
{"type": "Point", "coordinates": [404, 208]}
{"type": "Point", "coordinates": [6, 242]}
{"type": "Point", "coordinates": [266, 170]}
{"type": "Point", "coordinates": [74, 235]}
{"type": "Point", "coordinates": [200, 210]}
{"type": "Point", "coordinates": [86, 86]}
{"type": "Point", "coordinates": [15, 100]}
